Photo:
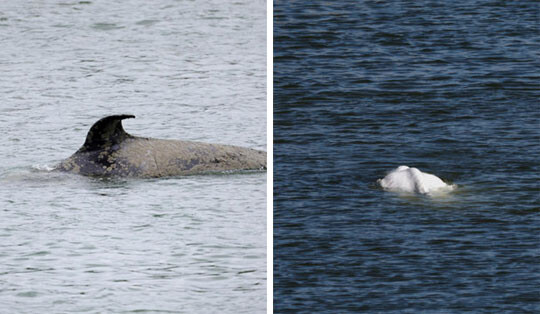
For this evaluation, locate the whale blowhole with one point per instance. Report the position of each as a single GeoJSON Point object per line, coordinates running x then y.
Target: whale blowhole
{"type": "Point", "coordinates": [405, 179]}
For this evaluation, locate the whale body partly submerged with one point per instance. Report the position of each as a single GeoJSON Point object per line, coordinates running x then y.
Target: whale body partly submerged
{"type": "Point", "coordinates": [412, 180]}
{"type": "Point", "coordinates": [110, 151]}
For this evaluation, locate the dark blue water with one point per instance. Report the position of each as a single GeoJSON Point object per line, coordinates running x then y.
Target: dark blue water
{"type": "Point", "coordinates": [361, 87]}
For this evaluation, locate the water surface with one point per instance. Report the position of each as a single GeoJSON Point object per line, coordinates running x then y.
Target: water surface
{"type": "Point", "coordinates": [362, 87]}
{"type": "Point", "coordinates": [187, 70]}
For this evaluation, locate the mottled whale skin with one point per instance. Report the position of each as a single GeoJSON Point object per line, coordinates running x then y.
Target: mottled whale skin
{"type": "Point", "coordinates": [412, 180]}
{"type": "Point", "coordinates": [110, 151]}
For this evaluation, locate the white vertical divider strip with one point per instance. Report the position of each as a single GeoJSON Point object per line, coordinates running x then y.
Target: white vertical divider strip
{"type": "Point", "coordinates": [270, 149]}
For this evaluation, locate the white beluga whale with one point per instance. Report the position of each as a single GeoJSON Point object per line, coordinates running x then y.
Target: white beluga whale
{"type": "Point", "coordinates": [412, 180]}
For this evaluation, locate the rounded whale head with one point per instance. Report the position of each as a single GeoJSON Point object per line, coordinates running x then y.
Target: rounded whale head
{"type": "Point", "coordinates": [412, 180]}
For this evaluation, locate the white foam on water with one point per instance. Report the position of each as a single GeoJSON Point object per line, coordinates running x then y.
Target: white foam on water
{"type": "Point", "coordinates": [43, 167]}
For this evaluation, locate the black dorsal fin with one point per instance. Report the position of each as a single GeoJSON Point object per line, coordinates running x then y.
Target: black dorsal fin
{"type": "Point", "coordinates": [106, 132]}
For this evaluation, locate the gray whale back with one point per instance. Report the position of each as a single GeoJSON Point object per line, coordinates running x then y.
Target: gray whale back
{"type": "Point", "coordinates": [111, 151]}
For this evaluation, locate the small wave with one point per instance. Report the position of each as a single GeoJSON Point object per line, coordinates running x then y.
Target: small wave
{"type": "Point", "coordinates": [44, 167]}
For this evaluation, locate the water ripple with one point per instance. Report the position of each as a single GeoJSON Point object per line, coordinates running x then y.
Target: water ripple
{"type": "Point", "coordinates": [361, 87]}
